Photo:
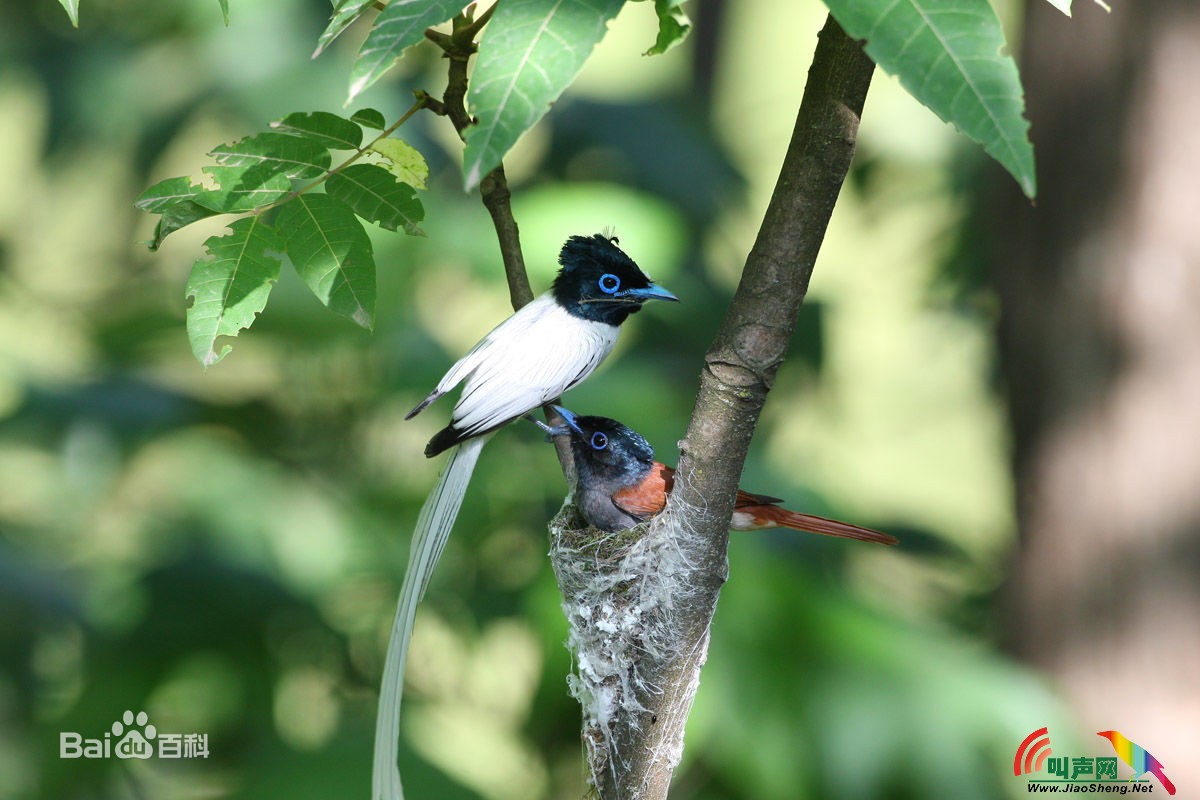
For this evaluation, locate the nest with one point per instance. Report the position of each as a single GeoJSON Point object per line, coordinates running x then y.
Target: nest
{"type": "Point", "coordinates": [621, 592]}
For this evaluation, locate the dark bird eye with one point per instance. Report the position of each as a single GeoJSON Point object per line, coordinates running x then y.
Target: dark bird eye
{"type": "Point", "coordinates": [599, 441]}
{"type": "Point", "coordinates": [609, 283]}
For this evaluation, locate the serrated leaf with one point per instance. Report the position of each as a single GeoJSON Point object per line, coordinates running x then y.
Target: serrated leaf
{"type": "Point", "coordinates": [673, 26]}
{"type": "Point", "coordinates": [372, 193]}
{"type": "Point", "coordinates": [532, 51]}
{"type": "Point", "coordinates": [290, 156]}
{"type": "Point", "coordinates": [369, 118]}
{"type": "Point", "coordinates": [332, 254]}
{"type": "Point", "coordinates": [72, 9]}
{"type": "Point", "coordinates": [164, 194]}
{"type": "Point", "coordinates": [404, 161]}
{"type": "Point", "coordinates": [243, 188]}
{"type": "Point", "coordinates": [327, 130]}
{"type": "Point", "coordinates": [177, 216]}
{"type": "Point", "coordinates": [398, 27]}
{"type": "Point", "coordinates": [949, 55]}
{"type": "Point", "coordinates": [224, 11]}
{"type": "Point", "coordinates": [174, 200]}
{"type": "Point", "coordinates": [344, 14]}
{"type": "Point", "coordinates": [230, 287]}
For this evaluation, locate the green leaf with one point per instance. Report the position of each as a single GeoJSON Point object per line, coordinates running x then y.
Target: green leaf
{"type": "Point", "coordinates": [164, 194]}
{"type": "Point", "coordinates": [177, 216]}
{"type": "Point", "coordinates": [331, 252]}
{"type": "Point", "coordinates": [243, 188]}
{"type": "Point", "coordinates": [369, 118]}
{"type": "Point", "coordinates": [374, 194]}
{"type": "Point", "coordinates": [72, 9]}
{"type": "Point", "coordinates": [673, 26]}
{"type": "Point", "coordinates": [532, 51]}
{"type": "Point", "coordinates": [230, 287]}
{"type": "Point", "coordinates": [175, 200]}
{"type": "Point", "coordinates": [398, 27]}
{"type": "Point", "coordinates": [224, 11]}
{"type": "Point", "coordinates": [404, 161]}
{"type": "Point", "coordinates": [344, 14]}
{"type": "Point", "coordinates": [949, 55]}
{"type": "Point", "coordinates": [290, 156]}
{"type": "Point", "coordinates": [327, 130]}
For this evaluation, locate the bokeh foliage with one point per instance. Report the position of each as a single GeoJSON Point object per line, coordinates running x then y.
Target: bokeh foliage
{"type": "Point", "coordinates": [223, 549]}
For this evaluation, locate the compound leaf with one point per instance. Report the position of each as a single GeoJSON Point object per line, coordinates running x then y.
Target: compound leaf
{"type": "Point", "coordinates": [327, 130]}
{"type": "Point", "coordinates": [290, 156]}
{"type": "Point", "coordinates": [180, 215]}
{"type": "Point", "coordinates": [949, 55]}
{"type": "Point", "coordinates": [344, 14]}
{"type": "Point", "coordinates": [332, 254]}
{"type": "Point", "coordinates": [72, 9]}
{"type": "Point", "coordinates": [531, 52]}
{"type": "Point", "coordinates": [164, 194]}
{"type": "Point", "coordinates": [404, 161]}
{"type": "Point", "coordinates": [374, 194]}
{"type": "Point", "coordinates": [369, 118]}
{"type": "Point", "coordinates": [673, 26]}
{"type": "Point", "coordinates": [243, 188]}
{"type": "Point", "coordinates": [398, 27]}
{"type": "Point", "coordinates": [230, 287]}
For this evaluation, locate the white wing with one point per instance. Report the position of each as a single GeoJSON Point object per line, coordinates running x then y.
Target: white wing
{"type": "Point", "coordinates": [532, 357]}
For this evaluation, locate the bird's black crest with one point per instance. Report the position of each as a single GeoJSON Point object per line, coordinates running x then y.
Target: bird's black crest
{"type": "Point", "coordinates": [584, 261]}
{"type": "Point", "coordinates": [598, 250]}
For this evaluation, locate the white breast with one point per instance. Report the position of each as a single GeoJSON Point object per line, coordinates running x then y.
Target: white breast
{"type": "Point", "coordinates": [532, 357]}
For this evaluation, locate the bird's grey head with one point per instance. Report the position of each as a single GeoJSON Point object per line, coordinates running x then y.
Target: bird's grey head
{"type": "Point", "coordinates": [605, 448]}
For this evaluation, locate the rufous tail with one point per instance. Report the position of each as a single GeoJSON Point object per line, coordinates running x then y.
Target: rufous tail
{"type": "Point", "coordinates": [749, 518]}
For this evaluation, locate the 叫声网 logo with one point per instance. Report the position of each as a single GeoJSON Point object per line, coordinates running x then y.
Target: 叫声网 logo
{"type": "Point", "coordinates": [132, 736]}
{"type": "Point", "coordinates": [1087, 773]}
{"type": "Point", "coordinates": [1031, 754]}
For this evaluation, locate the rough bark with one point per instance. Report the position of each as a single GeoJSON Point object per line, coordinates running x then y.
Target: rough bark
{"type": "Point", "coordinates": [653, 594]}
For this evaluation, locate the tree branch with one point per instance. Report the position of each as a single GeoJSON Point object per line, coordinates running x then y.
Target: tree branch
{"type": "Point", "coordinates": [637, 685]}
{"type": "Point", "coordinates": [458, 46]}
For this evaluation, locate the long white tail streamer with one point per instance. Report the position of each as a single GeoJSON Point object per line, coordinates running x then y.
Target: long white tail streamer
{"type": "Point", "coordinates": [433, 529]}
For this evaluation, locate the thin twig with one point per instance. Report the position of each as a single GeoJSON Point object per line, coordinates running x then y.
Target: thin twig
{"type": "Point", "coordinates": [459, 46]}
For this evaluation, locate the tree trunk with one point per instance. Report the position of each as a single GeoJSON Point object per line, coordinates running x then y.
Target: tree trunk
{"type": "Point", "coordinates": [1100, 349]}
{"type": "Point", "coordinates": [640, 603]}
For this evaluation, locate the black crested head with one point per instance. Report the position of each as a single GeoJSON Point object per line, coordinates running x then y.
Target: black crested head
{"type": "Point", "coordinates": [606, 451]}
{"type": "Point", "coordinates": [598, 282]}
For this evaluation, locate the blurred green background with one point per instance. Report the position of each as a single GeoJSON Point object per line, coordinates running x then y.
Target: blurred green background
{"type": "Point", "coordinates": [223, 549]}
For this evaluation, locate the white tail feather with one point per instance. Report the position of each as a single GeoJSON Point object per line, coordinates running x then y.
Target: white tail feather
{"type": "Point", "coordinates": [433, 529]}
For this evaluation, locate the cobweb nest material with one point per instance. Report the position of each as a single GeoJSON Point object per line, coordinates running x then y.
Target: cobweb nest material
{"type": "Point", "coordinates": [629, 598]}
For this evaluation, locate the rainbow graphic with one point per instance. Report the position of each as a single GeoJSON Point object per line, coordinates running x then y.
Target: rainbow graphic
{"type": "Point", "coordinates": [1136, 757]}
{"type": "Point", "coordinates": [1031, 754]}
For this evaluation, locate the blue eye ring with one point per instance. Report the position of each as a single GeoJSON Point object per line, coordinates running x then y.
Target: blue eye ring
{"type": "Point", "coordinates": [609, 283]}
{"type": "Point", "coordinates": [599, 441]}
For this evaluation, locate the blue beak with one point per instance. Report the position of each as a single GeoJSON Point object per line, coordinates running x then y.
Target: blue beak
{"type": "Point", "coordinates": [570, 418]}
{"type": "Point", "coordinates": [651, 292]}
